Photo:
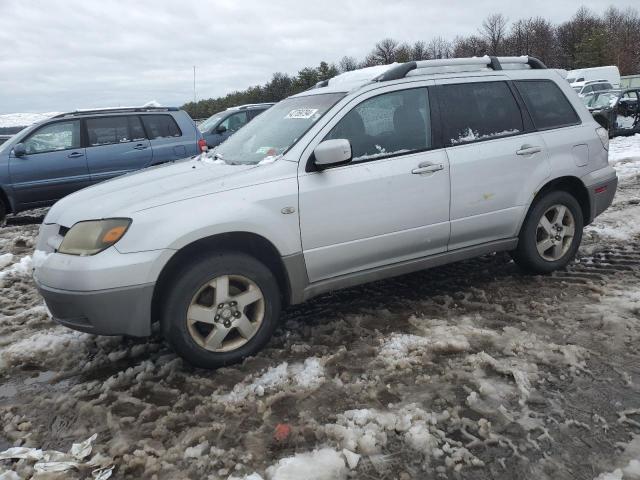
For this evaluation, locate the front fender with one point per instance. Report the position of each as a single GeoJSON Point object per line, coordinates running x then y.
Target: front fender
{"type": "Point", "coordinates": [256, 209]}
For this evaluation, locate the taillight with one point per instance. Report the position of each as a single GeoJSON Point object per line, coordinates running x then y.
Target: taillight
{"type": "Point", "coordinates": [603, 134]}
{"type": "Point", "coordinates": [202, 145]}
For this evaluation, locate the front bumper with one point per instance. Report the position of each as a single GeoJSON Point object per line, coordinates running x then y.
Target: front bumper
{"type": "Point", "coordinates": [116, 311]}
{"type": "Point", "coordinates": [107, 294]}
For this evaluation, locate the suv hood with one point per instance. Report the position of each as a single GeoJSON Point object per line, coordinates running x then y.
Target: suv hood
{"type": "Point", "coordinates": [160, 185]}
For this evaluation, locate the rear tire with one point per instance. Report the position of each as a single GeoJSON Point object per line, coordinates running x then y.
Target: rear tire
{"type": "Point", "coordinates": [551, 233]}
{"type": "Point", "coordinates": [3, 211]}
{"type": "Point", "coordinates": [220, 308]}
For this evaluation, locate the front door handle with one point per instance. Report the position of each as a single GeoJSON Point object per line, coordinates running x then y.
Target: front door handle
{"type": "Point", "coordinates": [528, 150]}
{"type": "Point", "coordinates": [427, 168]}
{"type": "Point", "coordinates": [140, 146]}
{"type": "Point", "coordinates": [75, 155]}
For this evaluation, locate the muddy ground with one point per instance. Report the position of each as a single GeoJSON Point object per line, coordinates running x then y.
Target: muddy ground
{"type": "Point", "coordinates": [469, 371]}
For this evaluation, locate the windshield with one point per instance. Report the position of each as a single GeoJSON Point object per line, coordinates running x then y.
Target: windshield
{"type": "Point", "coordinates": [276, 130]}
{"type": "Point", "coordinates": [601, 100]}
{"type": "Point", "coordinates": [210, 122]}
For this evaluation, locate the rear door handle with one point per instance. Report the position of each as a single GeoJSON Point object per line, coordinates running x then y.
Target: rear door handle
{"type": "Point", "coordinates": [427, 168]}
{"type": "Point", "coordinates": [75, 155]}
{"type": "Point", "coordinates": [528, 150]}
{"type": "Point", "coordinates": [140, 146]}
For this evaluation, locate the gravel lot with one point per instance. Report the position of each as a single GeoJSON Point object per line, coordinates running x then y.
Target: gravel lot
{"type": "Point", "coordinates": [469, 371]}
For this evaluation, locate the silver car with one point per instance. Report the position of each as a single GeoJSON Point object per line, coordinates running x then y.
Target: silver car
{"type": "Point", "coordinates": [376, 173]}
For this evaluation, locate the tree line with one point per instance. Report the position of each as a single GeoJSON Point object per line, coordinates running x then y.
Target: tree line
{"type": "Point", "coordinates": [586, 40]}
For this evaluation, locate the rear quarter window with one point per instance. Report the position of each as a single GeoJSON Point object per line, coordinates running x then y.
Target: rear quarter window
{"type": "Point", "coordinates": [548, 106]}
{"type": "Point", "coordinates": [160, 126]}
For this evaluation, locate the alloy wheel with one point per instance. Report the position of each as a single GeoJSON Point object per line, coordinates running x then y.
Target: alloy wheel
{"type": "Point", "coordinates": [225, 313]}
{"type": "Point", "coordinates": [555, 232]}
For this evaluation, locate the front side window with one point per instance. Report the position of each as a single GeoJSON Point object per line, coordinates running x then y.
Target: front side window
{"type": "Point", "coordinates": [113, 130]}
{"type": "Point", "coordinates": [276, 130]}
{"type": "Point", "coordinates": [161, 126]}
{"type": "Point", "coordinates": [235, 122]}
{"type": "Point", "coordinates": [54, 137]}
{"type": "Point", "coordinates": [479, 111]}
{"type": "Point", "coordinates": [389, 124]}
{"type": "Point", "coordinates": [546, 103]}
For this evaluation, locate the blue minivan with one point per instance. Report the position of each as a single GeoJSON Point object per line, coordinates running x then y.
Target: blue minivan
{"type": "Point", "coordinates": [55, 157]}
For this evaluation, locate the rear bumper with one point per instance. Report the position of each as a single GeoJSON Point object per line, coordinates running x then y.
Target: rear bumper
{"type": "Point", "coordinates": [116, 311]}
{"type": "Point", "coordinates": [601, 186]}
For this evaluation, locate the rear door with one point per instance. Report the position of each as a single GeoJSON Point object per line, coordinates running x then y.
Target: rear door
{"type": "Point", "coordinates": [167, 139]}
{"type": "Point", "coordinates": [53, 167]}
{"type": "Point", "coordinates": [116, 145]}
{"type": "Point", "coordinates": [495, 157]}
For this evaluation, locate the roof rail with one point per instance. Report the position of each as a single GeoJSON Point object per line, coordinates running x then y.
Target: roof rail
{"type": "Point", "coordinates": [494, 63]}
{"type": "Point", "coordinates": [249, 105]}
{"type": "Point", "coordinates": [76, 113]}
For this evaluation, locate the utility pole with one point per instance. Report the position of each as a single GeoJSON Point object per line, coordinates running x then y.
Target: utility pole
{"type": "Point", "coordinates": [194, 91]}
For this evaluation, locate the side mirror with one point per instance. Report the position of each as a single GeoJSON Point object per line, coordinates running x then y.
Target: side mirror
{"type": "Point", "coordinates": [221, 129]}
{"type": "Point", "coordinates": [332, 152]}
{"type": "Point", "coordinates": [19, 150]}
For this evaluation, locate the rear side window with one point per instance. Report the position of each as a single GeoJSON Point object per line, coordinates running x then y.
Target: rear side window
{"type": "Point", "coordinates": [111, 130]}
{"type": "Point", "coordinates": [546, 103]}
{"type": "Point", "coordinates": [479, 111]}
{"type": "Point", "coordinates": [387, 125]}
{"type": "Point", "coordinates": [161, 126]}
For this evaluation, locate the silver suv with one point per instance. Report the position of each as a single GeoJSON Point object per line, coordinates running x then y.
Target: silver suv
{"type": "Point", "coordinates": [375, 173]}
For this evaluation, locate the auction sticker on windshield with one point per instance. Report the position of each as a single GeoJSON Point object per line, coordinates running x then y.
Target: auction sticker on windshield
{"type": "Point", "coordinates": [302, 113]}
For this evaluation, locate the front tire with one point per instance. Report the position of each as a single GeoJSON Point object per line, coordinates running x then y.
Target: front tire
{"type": "Point", "coordinates": [551, 234]}
{"type": "Point", "coordinates": [220, 309]}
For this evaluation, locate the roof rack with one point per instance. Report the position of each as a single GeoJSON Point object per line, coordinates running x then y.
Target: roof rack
{"type": "Point", "coordinates": [76, 113]}
{"type": "Point", "coordinates": [250, 105]}
{"type": "Point", "coordinates": [494, 63]}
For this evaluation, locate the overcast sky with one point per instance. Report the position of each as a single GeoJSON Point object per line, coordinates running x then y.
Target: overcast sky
{"type": "Point", "coordinates": [64, 54]}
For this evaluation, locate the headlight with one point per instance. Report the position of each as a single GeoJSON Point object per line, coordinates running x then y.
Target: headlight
{"type": "Point", "coordinates": [93, 236]}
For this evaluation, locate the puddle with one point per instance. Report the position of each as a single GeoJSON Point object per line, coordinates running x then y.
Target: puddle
{"type": "Point", "coordinates": [8, 391]}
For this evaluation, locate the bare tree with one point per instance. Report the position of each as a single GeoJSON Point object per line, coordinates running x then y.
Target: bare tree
{"type": "Point", "coordinates": [385, 51]}
{"type": "Point", "coordinates": [347, 64]}
{"type": "Point", "coordinates": [472, 46]}
{"type": "Point", "coordinates": [419, 51]}
{"type": "Point", "coordinates": [494, 29]}
{"type": "Point", "coordinates": [403, 53]}
{"type": "Point", "coordinates": [438, 47]}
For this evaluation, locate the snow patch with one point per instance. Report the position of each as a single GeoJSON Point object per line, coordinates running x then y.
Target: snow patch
{"type": "Point", "coordinates": [307, 375]}
{"type": "Point", "coordinates": [24, 119]}
{"type": "Point", "coordinates": [323, 464]}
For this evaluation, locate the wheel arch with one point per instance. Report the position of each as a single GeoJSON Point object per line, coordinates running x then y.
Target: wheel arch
{"type": "Point", "coordinates": [569, 184]}
{"type": "Point", "coordinates": [241, 242]}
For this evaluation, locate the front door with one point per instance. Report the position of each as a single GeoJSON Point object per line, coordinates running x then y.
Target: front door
{"type": "Point", "coordinates": [627, 113]}
{"type": "Point", "coordinates": [54, 165]}
{"type": "Point", "coordinates": [391, 202]}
